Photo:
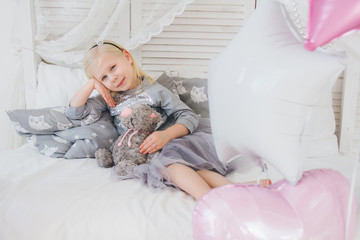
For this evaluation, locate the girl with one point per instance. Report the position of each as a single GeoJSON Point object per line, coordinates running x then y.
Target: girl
{"type": "Point", "coordinates": [186, 157]}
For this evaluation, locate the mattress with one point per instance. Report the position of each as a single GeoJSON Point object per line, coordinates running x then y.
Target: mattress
{"type": "Point", "coordinates": [46, 198]}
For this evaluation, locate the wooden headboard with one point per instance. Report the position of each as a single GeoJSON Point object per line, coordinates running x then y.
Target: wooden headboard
{"type": "Point", "coordinates": [197, 35]}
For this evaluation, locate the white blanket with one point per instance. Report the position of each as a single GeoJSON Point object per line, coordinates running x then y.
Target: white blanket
{"type": "Point", "coordinates": [43, 198]}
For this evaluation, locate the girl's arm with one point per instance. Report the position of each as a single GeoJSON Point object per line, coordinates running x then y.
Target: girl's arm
{"type": "Point", "coordinates": [81, 106]}
{"type": "Point", "coordinates": [185, 118]}
{"type": "Point", "coordinates": [158, 139]}
{"type": "Point", "coordinates": [81, 96]}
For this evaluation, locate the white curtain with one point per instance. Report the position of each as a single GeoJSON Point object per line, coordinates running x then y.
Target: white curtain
{"type": "Point", "coordinates": [12, 88]}
{"type": "Point", "coordinates": [67, 49]}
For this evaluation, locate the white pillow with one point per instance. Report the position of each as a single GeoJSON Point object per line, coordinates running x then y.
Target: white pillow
{"type": "Point", "coordinates": [270, 99]}
{"type": "Point", "coordinates": [57, 85]}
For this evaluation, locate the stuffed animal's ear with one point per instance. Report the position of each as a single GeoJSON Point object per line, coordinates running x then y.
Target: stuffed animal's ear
{"type": "Point", "coordinates": [126, 112]}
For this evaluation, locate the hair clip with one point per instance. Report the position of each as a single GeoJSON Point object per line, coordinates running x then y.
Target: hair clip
{"type": "Point", "coordinates": [100, 43]}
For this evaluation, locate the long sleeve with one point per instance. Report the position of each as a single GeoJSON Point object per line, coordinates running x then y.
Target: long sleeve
{"type": "Point", "coordinates": [93, 107]}
{"type": "Point", "coordinates": [174, 108]}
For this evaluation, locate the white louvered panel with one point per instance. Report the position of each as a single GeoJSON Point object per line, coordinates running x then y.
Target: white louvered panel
{"type": "Point", "coordinates": [336, 102]}
{"type": "Point", "coordinates": [349, 113]}
{"type": "Point", "coordinates": [356, 142]}
{"type": "Point", "coordinates": [192, 27]}
{"type": "Point", "coordinates": [58, 17]}
{"type": "Point", "coordinates": [212, 45]}
{"type": "Point", "coordinates": [204, 29]}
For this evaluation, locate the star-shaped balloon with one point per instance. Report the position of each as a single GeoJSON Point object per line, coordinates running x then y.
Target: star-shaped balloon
{"type": "Point", "coordinates": [330, 19]}
{"type": "Point", "coordinates": [264, 93]}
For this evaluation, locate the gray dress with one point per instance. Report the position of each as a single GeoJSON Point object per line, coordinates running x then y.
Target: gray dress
{"type": "Point", "coordinates": [195, 150]}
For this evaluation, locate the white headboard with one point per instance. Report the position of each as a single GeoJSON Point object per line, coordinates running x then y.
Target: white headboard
{"type": "Point", "coordinates": [188, 44]}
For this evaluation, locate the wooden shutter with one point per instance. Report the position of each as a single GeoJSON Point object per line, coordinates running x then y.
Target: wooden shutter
{"type": "Point", "coordinates": [197, 35]}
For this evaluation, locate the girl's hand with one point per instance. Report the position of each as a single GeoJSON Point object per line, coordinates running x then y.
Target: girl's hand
{"type": "Point", "coordinates": [105, 92]}
{"type": "Point", "coordinates": [154, 142]}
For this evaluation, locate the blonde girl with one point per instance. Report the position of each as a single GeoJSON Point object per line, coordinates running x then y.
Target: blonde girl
{"type": "Point", "coordinates": [185, 154]}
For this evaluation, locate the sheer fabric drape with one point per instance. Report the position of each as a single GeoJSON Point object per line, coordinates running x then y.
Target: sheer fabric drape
{"type": "Point", "coordinates": [102, 18]}
{"type": "Point", "coordinates": [65, 47]}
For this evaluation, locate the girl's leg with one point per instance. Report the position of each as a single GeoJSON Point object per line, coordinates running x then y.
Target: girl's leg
{"type": "Point", "coordinates": [188, 180]}
{"type": "Point", "coordinates": [214, 179]}
{"type": "Point", "coordinates": [200, 182]}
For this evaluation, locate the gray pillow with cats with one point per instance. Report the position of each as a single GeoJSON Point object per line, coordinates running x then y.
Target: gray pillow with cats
{"type": "Point", "coordinates": [46, 120]}
{"type": "Point", "coordinates": [55, 135]}
{"type": "Point", "coordinates": [192, 91]}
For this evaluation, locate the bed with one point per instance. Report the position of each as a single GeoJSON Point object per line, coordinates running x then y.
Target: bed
{"type": "Point", "coordinates": [54, 198]}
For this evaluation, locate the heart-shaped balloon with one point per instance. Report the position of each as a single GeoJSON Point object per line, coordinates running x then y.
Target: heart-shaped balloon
{"type": "Point", "coordinates": [315, 208]}
{"type": "Point", "coordinates": [330, 19]}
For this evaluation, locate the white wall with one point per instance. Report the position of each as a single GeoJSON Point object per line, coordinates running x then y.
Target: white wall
{"type": "Point", "coordinates": [9, 67]}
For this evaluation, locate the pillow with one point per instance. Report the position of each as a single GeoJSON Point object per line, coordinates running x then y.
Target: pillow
{"type": "Point", "coordinates": [55, 135]}
{"type": "Point", "coordinates": [87, 139]}
{"type": "Point", "coordinates": [265, 90]}
{"type": "Point", "coordinates": [192, 91]}
{"type": "Point", "coordinates": [49, 145]}
{"type": "Point", "coordinates": [46, 120]}
{"type": "Point", "coordinates": [57, 85]}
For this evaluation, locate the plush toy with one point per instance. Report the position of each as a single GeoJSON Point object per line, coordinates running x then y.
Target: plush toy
{"type": "Point", "coordinates": [141, 120]}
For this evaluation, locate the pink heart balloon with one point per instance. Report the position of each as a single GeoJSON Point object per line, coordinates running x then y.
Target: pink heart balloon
{"type": "Point", "coordinates": [329, 19]}
{"type": "Point", "coordinates": [315, 208]}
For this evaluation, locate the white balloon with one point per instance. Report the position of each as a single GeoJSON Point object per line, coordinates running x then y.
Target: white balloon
{"type": "Point", "coordinates": [262, 90]}
{"type": "Point", "coordinates": [297, 12]}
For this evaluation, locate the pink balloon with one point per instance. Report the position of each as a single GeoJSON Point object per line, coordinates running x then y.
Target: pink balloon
{"type": "Point", "coordinates": [315, 208]}
{"type": "Point", "coordinates": [329, 19]}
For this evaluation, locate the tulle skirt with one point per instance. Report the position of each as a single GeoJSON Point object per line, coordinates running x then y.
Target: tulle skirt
{"type": "Point", "coordinates": [195, 150]}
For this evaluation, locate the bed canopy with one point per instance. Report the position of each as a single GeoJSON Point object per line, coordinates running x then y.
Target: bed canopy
{"type": "Point", "coordinates": [99, 20]}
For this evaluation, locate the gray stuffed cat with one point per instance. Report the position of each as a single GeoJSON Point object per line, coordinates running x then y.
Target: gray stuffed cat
{"type": "Point", "coordinates": [141, 120]}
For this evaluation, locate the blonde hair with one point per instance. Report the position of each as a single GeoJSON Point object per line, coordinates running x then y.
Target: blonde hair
{"type": "Point", "coordinates": [113, 48]}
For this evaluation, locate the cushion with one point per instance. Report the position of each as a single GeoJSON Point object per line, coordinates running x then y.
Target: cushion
{"type": "Point", "coordinates": [192, 91]}
{"type": "Point", "coordinates": [87, 139]}
{"type": "Point", "coordinates": [57, 85]}
{"type": "Point", "coordinates": [46, 120]}
{"type": "Point", "coordinates": [49, 145]}
{"type": "Point", "coordinates": [266, 91]}
{"type": "Point", "coordinates": [55, 135]}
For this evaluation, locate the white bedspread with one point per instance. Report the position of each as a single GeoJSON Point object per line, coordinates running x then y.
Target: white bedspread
{"type": "Point", "coordinates": [43, 198]}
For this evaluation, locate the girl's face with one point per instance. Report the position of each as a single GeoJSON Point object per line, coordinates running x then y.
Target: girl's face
{"type": "Point", "coordinates": [115, 71]}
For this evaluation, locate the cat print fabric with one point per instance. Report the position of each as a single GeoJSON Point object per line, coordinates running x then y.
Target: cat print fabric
{"type": "Point", "coordinates": [192, 91]}
{"type": "Point", "coordinates": [48, 151]}
{"type": "Point", "coordinates": [46, 120]}
{"type": "Point", "coordinates": [197, 94]}
{"type": "Point", "coordinates": [38, 123]}
{"type": "Point", "coordinates": [55, 135]}
{"type": "Point", "coordinates": [63, 126]}
{"type": "Point", "coordinates": [179, 87]}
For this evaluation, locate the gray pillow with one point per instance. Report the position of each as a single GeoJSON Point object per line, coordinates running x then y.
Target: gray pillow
{"type": "Point", "coordinates": [87, 139]}
{"type": "Point", "coordinates": [49, 145]}
{"type": "Point", "coordinates": [192, 91]}
{"type": "Point", "coordinates": [167, 82]}
{"type": "Point", "coordinates": [46, 120]}
{"type": "Point", "coordinates": [55, 135]}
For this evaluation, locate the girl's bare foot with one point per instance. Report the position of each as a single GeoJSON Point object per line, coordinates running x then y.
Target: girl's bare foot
{"type": "Point", "coordinates": [263, 182]}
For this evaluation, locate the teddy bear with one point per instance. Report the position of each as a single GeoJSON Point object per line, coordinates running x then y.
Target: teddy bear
{"type": "Point", "coordinates": [140, 120]}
